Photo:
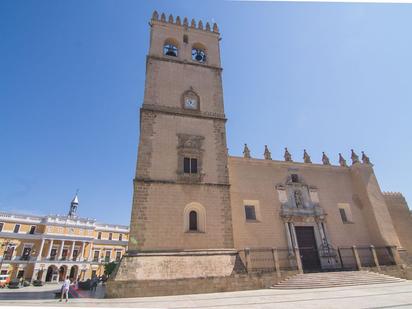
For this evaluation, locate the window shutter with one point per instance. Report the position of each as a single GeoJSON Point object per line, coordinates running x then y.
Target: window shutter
{"type": "Point", "coordinates": [186, 165]}
{"type": "Point", "coordinates": [193, 166]}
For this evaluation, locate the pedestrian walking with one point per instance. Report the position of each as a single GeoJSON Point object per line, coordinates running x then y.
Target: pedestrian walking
{"type": "Point", "coordinates": [93, 284]}
{"type": "Point", "coordinates": [77, 282]}
{"type": "Point", "coordinates": [65, 289]}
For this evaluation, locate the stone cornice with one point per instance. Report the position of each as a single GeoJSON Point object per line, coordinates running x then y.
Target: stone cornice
{"type": "Point", "coordinates": [174, 182]}
{"type": "Point", "coordinates": [61, 221]}
{"type": "Point", "coordinates": [10, 235]}
{"type": "Point", "coordinates": [110, 242]}
{"type": "Point", "coordinates": [181, 112]}
{"type": "Point", "coordinates": [201, 65]}
{"type": "Point", "coordinates": [182, 252]}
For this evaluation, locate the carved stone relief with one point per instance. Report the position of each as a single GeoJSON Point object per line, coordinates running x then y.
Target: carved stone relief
{"type": "Point", "coordinates": [283, 198]}
{"type": "Point", "coordinates": [297, 194]}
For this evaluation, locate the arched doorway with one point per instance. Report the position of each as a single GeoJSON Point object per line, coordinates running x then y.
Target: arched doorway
{"type": "Point", "coordinates": [62, 272]}
{"type": "Point", "coordinates": [51, 270]}
{"type": "Point", "coordinates": [73, 272]}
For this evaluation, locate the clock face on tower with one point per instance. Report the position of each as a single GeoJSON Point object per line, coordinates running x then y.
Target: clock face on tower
{"type": "Point", "coordinates": [190, 100]}
{"type": "Point", "coordinates": [190, 103]}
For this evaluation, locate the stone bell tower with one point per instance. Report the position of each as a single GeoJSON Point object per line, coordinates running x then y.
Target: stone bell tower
{"type": "Point", "coordinates": [181, 222]}
{"type": "Point", "coordinates": [181, 189]}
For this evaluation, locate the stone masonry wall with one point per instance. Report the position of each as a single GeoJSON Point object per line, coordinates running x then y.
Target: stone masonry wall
{"type": "Point", "coordinates": [256, 180]}
{"type": "Point", "coordinates": [158, 216]}
{"type": "Point", "coordinates": [401, 216]}
{"type": "Point", "coordinates": [236, 282]}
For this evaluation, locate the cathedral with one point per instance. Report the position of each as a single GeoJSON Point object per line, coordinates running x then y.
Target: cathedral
{"type": "Point", "coordinates": [205, 221]}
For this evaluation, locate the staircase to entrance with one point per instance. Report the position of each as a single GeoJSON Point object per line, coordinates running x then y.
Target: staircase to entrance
{"type": "Point", "coordinates": [335, 279]}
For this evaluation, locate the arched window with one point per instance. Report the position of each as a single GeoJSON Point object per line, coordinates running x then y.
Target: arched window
{"type": "Point", "coordinates": [194, 218]}
{"type": "Point", "coordinates": [193, 221]}
{"type": "Point", "coordinates": [170, 48]}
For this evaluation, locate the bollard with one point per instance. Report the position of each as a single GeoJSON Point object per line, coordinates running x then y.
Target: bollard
{"type": "Point", "coordinates": [276, 261]}
{"type": "Point", "coordinates": [247, 259]}
{"type": "Point", "coordinates": [356, 255]}
{"type": "Point", "coordinates": [298, 260]}
{"type": "Point", "coordinates": [375, 258]}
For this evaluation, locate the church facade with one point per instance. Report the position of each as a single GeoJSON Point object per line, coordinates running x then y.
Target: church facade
{"type": "Point", "coordinates": [203, 220]}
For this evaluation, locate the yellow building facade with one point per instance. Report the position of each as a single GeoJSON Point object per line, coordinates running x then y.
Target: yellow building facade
{"type": "Point", "coordinates": [51, 247]}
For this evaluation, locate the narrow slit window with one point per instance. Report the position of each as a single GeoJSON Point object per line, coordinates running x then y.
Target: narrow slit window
{"type": "Point", "coordinates": [193, 221]}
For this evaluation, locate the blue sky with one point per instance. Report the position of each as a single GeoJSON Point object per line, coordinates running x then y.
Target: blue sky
{"type": "Point", "coordinates": [321, 76]}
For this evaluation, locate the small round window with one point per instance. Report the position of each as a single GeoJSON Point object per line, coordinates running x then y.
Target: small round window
{"type": "Point", "coordinates": [170, 50]}
{"type": "Point", "coordinates": [198, 55]}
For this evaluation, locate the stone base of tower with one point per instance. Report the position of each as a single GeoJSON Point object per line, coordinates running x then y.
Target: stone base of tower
{"type": "Point", "coordinates": [184, 272]}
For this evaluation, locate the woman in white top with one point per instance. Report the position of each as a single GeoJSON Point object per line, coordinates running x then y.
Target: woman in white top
{"type": "Point", "coordinates": [65, 289]}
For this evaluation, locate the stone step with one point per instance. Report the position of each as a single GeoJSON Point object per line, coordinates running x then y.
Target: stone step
{"type": "Point", "coordinates": [325, 286]}
{"type": "Point", "coordinates": [342, 274]}
{"type": "Point", "coordinates": [338, 279]}
{"type": "Point", "coordinates": [334, 279]}
{"type": "Point", "coordinates": [336, 282]}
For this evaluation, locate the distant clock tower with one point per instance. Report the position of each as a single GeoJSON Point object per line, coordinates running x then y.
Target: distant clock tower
{"type": "Point", "coordinates": [181, 189]}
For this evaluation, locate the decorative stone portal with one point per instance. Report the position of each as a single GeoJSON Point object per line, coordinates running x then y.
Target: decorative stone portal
{"type": "Point", "coordinates": [305, 224]}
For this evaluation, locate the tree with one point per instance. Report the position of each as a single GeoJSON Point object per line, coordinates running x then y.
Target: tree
{"type": "Point", "coordinates": [109, 268]}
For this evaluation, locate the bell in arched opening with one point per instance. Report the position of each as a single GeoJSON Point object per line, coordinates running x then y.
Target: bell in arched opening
{"type": "Point", "coordinates": [170, 50]}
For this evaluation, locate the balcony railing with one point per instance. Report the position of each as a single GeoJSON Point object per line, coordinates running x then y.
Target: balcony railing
{"type": "Point", "coordinates": [19, 258]}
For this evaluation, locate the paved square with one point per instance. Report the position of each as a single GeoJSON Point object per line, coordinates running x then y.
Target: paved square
{"type": "Point", "coordinates": [393, 295]}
